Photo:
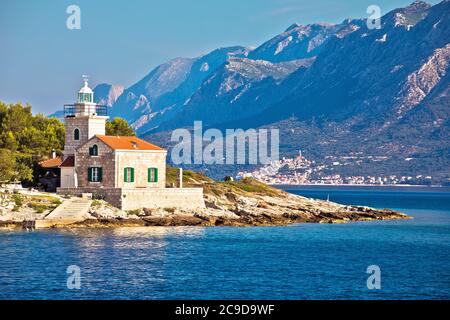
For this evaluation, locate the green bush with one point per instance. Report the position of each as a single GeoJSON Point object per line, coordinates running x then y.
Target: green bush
{"type": "Point", "coordinates": [170, 210]}
{"type": "Point", "coordinates": [56, 201]}
{"type": "Point", "coordinates": [96, 203]}
{"type": "Point", "coordinates": [135, 212]}
{"type": "Point", "coordinates": [18, 200]}
{"type": "Point", "coordinates": [38, 207]}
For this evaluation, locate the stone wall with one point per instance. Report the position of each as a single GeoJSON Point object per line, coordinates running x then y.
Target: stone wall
{"type": "Point", "coordinates": [185, 198]}
{"type": "Point", "coordinates": [130, 199]}
{"type": "Point", "coordinates": [111, 195]}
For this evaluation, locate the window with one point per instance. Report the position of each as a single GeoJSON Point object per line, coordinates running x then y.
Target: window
{"type": "Point", "coordinates": [76, 134]}
{"type": "Point", "coordinates": [128, 175]}
{"type": "Point", "coordinates": [93, 151]}
{"type": "Point", "coordinates": [152, 175]}
{"type": "Point", "coordinates": [95, 174]}
{"type": "Point", "coordinates": [84, 97]}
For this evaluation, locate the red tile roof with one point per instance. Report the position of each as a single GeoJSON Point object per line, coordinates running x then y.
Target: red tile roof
{"type": "Point", "coordinates": [68, 162]}
{"type": "Point", "coordinates": [51, 163]}
{"type": "Point", "coordinates": [127, 143]}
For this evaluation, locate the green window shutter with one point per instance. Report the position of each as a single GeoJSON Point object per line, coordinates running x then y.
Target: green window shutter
{"type": "Point", "coordinates": [100, 174]}
{"type": "Point", "coordinates": [128, 174]}
{"type": "Point", "coordinates": [90, 151]}
{"type": "Point", "coordinates": [90, 174]}
{"type": "Point", "coordinates": [152, 174]}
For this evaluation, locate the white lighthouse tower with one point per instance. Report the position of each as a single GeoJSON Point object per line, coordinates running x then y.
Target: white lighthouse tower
{"type": "Point", "coordinates": [83, 120]}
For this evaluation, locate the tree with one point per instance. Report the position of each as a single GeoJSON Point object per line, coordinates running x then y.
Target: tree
{"type": "Point", "coordinates": [119, 127]}
{"type": "Point", "coordinates": [11, 168]}
{"type": "Point", "coordinates": [7, 164]}
{"type": "Point", "coordinates": [25, 140]}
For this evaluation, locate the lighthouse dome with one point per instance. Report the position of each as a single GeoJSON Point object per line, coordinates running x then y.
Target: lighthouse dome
{"type": "Point", "coordinates": [85, 94]}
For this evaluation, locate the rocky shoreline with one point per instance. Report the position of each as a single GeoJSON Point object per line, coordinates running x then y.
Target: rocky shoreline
{"type": "Point", "coordinates": [247, 211]}
{"type": "Point", "coordinates": [244, 211]}
{"type": "Point", "coordinates": [244, 203]}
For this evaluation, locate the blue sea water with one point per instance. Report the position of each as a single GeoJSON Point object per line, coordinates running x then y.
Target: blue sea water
{"type": "Point", "coordinates": [302, 261]}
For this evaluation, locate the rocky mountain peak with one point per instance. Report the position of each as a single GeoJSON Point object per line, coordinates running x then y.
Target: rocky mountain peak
{"type": "Point", "coordinates": [292, 26]}
{"type": "Point", "coordinates": [107, 94]}
{"type": "Point", "coordinates": [418, 4]}
{"type": "Point", "coordinates": [408, 16]}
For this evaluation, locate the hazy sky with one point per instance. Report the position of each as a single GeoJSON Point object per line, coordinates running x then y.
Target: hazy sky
{"type": "Point", "coordinates": [120, 41]}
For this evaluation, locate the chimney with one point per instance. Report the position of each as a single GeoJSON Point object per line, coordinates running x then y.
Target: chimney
{"type": "Point", "coordinates": [53, 154]}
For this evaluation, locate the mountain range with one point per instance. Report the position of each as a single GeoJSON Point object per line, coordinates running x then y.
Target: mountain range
{"type": "Point", "coordinates": [337, 90]}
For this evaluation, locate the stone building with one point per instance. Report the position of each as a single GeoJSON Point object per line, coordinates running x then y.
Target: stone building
{"type": "Point", "coordinates": [128, 172]}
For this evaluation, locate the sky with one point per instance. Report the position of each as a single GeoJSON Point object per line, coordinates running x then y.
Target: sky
{"type": "Point", "coordinates": [120, 41]}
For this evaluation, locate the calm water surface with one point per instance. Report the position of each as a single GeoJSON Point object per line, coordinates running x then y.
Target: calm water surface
{"type": "Point", "coordinates": [304, 261]}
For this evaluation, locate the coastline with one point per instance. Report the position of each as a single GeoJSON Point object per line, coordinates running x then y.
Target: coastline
{"type": "Point", "coordinates": [393, 187]}
{"type": "Point", "coordinates": [238, 204]}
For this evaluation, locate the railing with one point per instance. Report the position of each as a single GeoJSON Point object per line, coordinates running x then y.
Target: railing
{"type": "Point", "coordinates": [71, 110]}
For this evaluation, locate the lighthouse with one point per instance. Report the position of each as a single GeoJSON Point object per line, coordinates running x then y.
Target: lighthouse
{"type": "Point", "coordinates": [83, 120]}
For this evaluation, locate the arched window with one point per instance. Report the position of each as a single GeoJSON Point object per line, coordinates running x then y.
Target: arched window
{"type": "Point", "coordinates": [76, 134]}
{"type": "Point", "coordinates": [93, 151]}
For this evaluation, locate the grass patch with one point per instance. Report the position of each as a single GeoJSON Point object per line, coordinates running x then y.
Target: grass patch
{"type": "Point", "coordinates": [190, 178]}
{"type": "Point", "coordinates": [210, 186]}
{"type": "Point", "coordinates": [134, 212]}
{"type": "Point", "coordinates": [246, 185]}
{"type": "Point", "coordinates": [18, 201]}
{"type": "Point", "coordinates": [56, 201]}
{"type": "Point", "coordinates": [170, 210]}
{"type": "Point", "coordinates": [38, 207]}
{"type": "Point", "coordinates": [39, 203]}
{"type": "Point", "coordinates": [253, 186]}
{"type": "Point", "coordinates": [96, 203]}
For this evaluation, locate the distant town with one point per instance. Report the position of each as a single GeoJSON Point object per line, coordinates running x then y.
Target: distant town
{"type": "Point", "coordinates": [300, 170]}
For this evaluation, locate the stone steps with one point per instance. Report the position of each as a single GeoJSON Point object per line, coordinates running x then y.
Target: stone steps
{"type": "Point", "coordinates": [71, 209]}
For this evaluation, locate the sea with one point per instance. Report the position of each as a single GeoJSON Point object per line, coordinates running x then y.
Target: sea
{"type": "Point", "coordinates": [402, 259]}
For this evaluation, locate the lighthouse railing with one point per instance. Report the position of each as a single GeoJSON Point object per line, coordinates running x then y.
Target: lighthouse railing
{"type": "Point", "coordinates": [71, 110]}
